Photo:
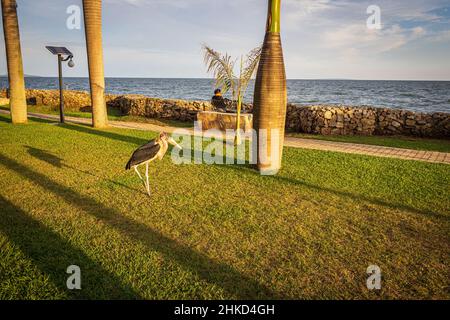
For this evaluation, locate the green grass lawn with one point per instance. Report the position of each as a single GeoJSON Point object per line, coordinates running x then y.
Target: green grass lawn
{"type": "Point", "coordinates": [214, 231]}
{"type": "Point", "coordinates": [416, 143]}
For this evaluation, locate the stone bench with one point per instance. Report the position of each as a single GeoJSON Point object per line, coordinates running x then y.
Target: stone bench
{"type": "Point", "coordinates": [223, 121]}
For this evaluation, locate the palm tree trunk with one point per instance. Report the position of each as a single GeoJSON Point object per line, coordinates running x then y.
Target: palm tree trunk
{"type": "Point", "coordinates": [92, 10]}
{"type": "Point", "coordinates": [270, 97]}
{"type": "Point", "coordinates": [18, 101]}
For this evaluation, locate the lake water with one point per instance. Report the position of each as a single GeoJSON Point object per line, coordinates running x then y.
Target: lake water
{"type": "Point", "coordinates": [427, 96]}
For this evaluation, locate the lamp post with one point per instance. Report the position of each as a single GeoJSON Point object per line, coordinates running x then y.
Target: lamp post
{"type": "Point", "coordinates": [63, 55]}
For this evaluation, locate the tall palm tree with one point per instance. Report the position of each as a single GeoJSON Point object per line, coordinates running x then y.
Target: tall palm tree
{"type": "Point", "coordinates": [92, 10]}
{"type": "Point", "coordinates": [270, 96]}
{"type": "Point", "coordinates": [18, 101]}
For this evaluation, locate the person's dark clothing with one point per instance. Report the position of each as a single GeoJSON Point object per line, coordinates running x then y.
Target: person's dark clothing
{"type": "Point", "coordinates": [218, 102]}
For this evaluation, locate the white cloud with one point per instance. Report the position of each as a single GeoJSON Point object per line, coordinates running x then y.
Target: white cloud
{"type": "Point", "coordinates": [357, 38]}
{"type": "Point", "coordinates": [412, 10]}
{"type": "Point", "coordinates": [304, 7]}
{"type": "Point", "coordinates": [321, 38]}
{"type": "Point", "coordinates": [442, 36]}
{"type": "Point", "coordinates": [172, 3]}
{"type": "Point", "coordinates": [301, 12]}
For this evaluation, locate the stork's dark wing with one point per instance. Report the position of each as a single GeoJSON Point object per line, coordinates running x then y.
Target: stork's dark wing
{"type": "Point", "coordinates": [143, 153]}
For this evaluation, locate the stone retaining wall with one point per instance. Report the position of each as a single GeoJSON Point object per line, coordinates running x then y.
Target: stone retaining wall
{"type": "Point", "coordinates": [321, 119]}
{"type": "Point", "coordinates": [137, 105]}
{"type": "Point", "coordinates": [343, 120]}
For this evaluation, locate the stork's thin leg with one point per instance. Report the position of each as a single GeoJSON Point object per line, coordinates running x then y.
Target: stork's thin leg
{"type": "Point", "coordinates": [146, 176]}
{"type": "Point", "coordinates": [140, 177]}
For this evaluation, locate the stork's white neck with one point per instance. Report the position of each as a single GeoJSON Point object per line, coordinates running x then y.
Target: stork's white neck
{"type": "Point", "coordinates": [164, 146]}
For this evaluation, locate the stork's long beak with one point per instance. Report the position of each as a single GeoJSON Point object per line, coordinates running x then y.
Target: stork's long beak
{"type": "Point", "coordinates": [172, 142]}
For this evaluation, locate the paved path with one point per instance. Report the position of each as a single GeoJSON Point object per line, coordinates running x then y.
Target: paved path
{"type": "Point", "coordinates": [379, 151]}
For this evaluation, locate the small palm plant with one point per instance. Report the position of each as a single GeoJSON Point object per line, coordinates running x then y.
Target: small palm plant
{"type": "Point", "coordinates": [222, 67]}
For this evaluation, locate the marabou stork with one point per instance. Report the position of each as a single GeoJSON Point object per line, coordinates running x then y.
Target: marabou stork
{"type": "Point", "coordinates": [154, 149]}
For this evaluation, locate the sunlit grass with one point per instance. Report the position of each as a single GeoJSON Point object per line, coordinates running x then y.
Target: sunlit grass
{"type": "Point", "coordinates": [214, 231]}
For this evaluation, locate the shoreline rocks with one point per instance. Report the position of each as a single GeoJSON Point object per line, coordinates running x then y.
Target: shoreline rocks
{"type": "Point", "coordinates": [345, 120]}
{"type": "Point", "coordinates": [314, 119]}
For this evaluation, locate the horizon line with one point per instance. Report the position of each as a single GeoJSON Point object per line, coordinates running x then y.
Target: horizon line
{"type": "Point", "coordinates": [199, 78]}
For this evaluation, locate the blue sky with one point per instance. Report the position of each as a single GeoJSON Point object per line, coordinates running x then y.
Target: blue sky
{"type": "Point", "coordinates": [321, 38]}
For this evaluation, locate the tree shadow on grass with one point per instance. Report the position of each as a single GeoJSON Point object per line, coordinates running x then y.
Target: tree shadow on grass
{"type": "Point", "coordinates": [251, 169]}
{"type": "Point", "coordinates": [7, 118]}
{"type": "Point", "coordinates": [220, 274]}
{"type": "Point", "coordinates": [106, 134]}
{"type": "Point", "coordinates": [4, 119]}
{"type": "Point", "coordinates": [46, 121]}
{"type": "Point", "coordinates": [58, 162]}
{"type": "Point", "coordinates": [83, 128]}
{"type": "Point", "coordinates": [45, 156]}
{"type": "Point", "coordinates": [52, 254]}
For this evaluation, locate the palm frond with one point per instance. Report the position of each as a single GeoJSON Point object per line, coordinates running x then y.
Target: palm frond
{"type": "Point", "coordinates": [251, 65]}
{"type": "Point", "coordinates": [222, 68]}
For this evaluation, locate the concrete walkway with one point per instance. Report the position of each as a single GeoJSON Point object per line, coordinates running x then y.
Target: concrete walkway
{"type": "Point", "coordinates": [372, 150]}
{"type": "Point", "coordinates": [379, 151]}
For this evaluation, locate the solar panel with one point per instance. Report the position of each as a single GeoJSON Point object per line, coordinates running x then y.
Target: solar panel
{"type": "Point", "coordinates": [59, 50]}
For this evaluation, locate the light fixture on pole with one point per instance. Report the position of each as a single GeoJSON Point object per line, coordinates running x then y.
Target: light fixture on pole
{"type": "Point", "coordinates": [63, 55]}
